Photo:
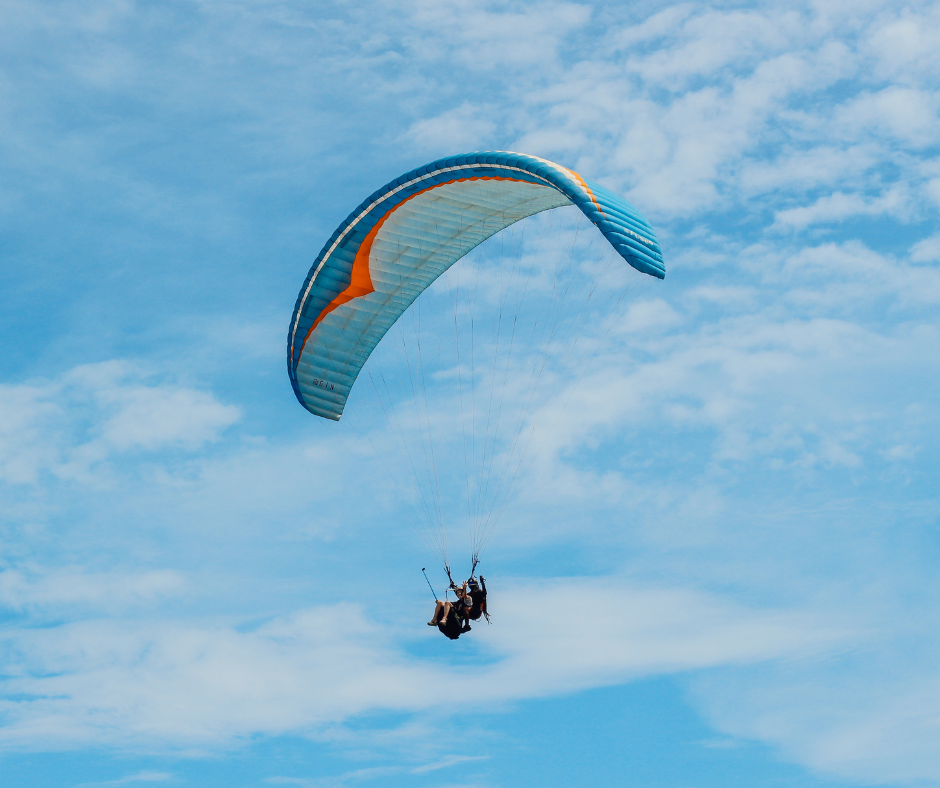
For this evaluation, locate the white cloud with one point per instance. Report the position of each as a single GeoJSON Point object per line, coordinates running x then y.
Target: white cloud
{"type": "Point", "coordinates": [902, 451]}
{"type": "Point", "coordinates": [907, 46]}
{"type": "Point", "coordinates": [465, 128]}
{"type": "Point", "coordinates": [656, 27]}
{"type": "Point", "coordinates": [672, 151]}
{"type": "Point", "coordinates": [770, 390]}
{"type": "Point", "coordinates": [839, 206]}
{"type": "Point", "coordinates": [726, 296]}
{"type": "Point", "coordinates": [168, 684]}
{"type": "Point", "coordinates": [447, 762]}
{"type": "Point", "coordinates": [21, 589]}
{"type": "Point", "coordinates": [139, 777]}
{"type": "Point", "coordinates": [885, 735]}
{"type": "Point", "coordinates": [927, 250]}
{"type": "Point", "coordinates": [932, 188]}
{"type": "Point", "coordinates": [150, 418]}
{"type": "Point", "coordinates": [651, 315]}
{"type": "Point", "coordinates": [705, 43]}
{"type": "Point", "coordinates": [354, 776]}
{"type": "Point", "coordinates": [654, 631]}
{"type": "Point", "coordinates": [850, 274]}
{"type": "Point", "coordinates": [907, 114]}
{"type": "Point", "coordinates": [70, 426]}
{"type": "Point", "coordinates": [802, 168]}
{"type": "Point", "coordinates": [25, 446]}
{"type": "Point", "coordinates": [489, 36]}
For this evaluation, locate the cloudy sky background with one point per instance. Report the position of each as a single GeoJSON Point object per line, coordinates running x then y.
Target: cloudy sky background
{"type": "Point", "coordinates": [736, 535]}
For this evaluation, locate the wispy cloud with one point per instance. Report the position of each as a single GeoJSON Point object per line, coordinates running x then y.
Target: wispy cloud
{"type": "Point", "coordinates": [120, 682]}
{"type": "Point", "coordinates": [346, 778]}
{"type": "Point", "coordinates": [54, 590]}
{"type": "Point", "coordinates": [139, 777]}
{"type": "Point", "coordinates": [72, 426]}
{"type": "Point", "coordinates": [838, 207]}
{"type": "Point", "coordinates": [448, 761]}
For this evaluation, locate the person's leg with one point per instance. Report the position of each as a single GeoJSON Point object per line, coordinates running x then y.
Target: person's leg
{"type": "Point", "coordinates": [438, 607]}
{"type": "Point", "coordinates": [443, 619]}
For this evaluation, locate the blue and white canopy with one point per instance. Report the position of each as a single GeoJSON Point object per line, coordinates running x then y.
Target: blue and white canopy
{"type": "Point", "coordinates": [405, 235]}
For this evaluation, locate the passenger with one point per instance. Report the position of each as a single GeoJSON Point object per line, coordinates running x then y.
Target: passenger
{"type": "Point", "coordinates": [451, 618]}
{"type": "Point", "coordinates": [463, 606]}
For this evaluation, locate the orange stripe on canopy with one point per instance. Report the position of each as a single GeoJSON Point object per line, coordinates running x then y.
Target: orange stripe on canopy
{"type": "Point", "coordinates": [587, 189]}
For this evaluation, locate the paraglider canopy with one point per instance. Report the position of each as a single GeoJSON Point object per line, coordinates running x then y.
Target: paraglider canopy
{"type": "Point", "coordinates": [406, 234]}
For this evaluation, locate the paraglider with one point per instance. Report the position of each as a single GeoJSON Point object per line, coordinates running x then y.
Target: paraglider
{"type": "Point", "coordinates": [477, 591]}
{"type": "Point", "coordinates": [386, 253]}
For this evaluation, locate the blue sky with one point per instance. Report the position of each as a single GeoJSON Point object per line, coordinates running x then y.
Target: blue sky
{"type": "Point", "coordinates": [735, 533]}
